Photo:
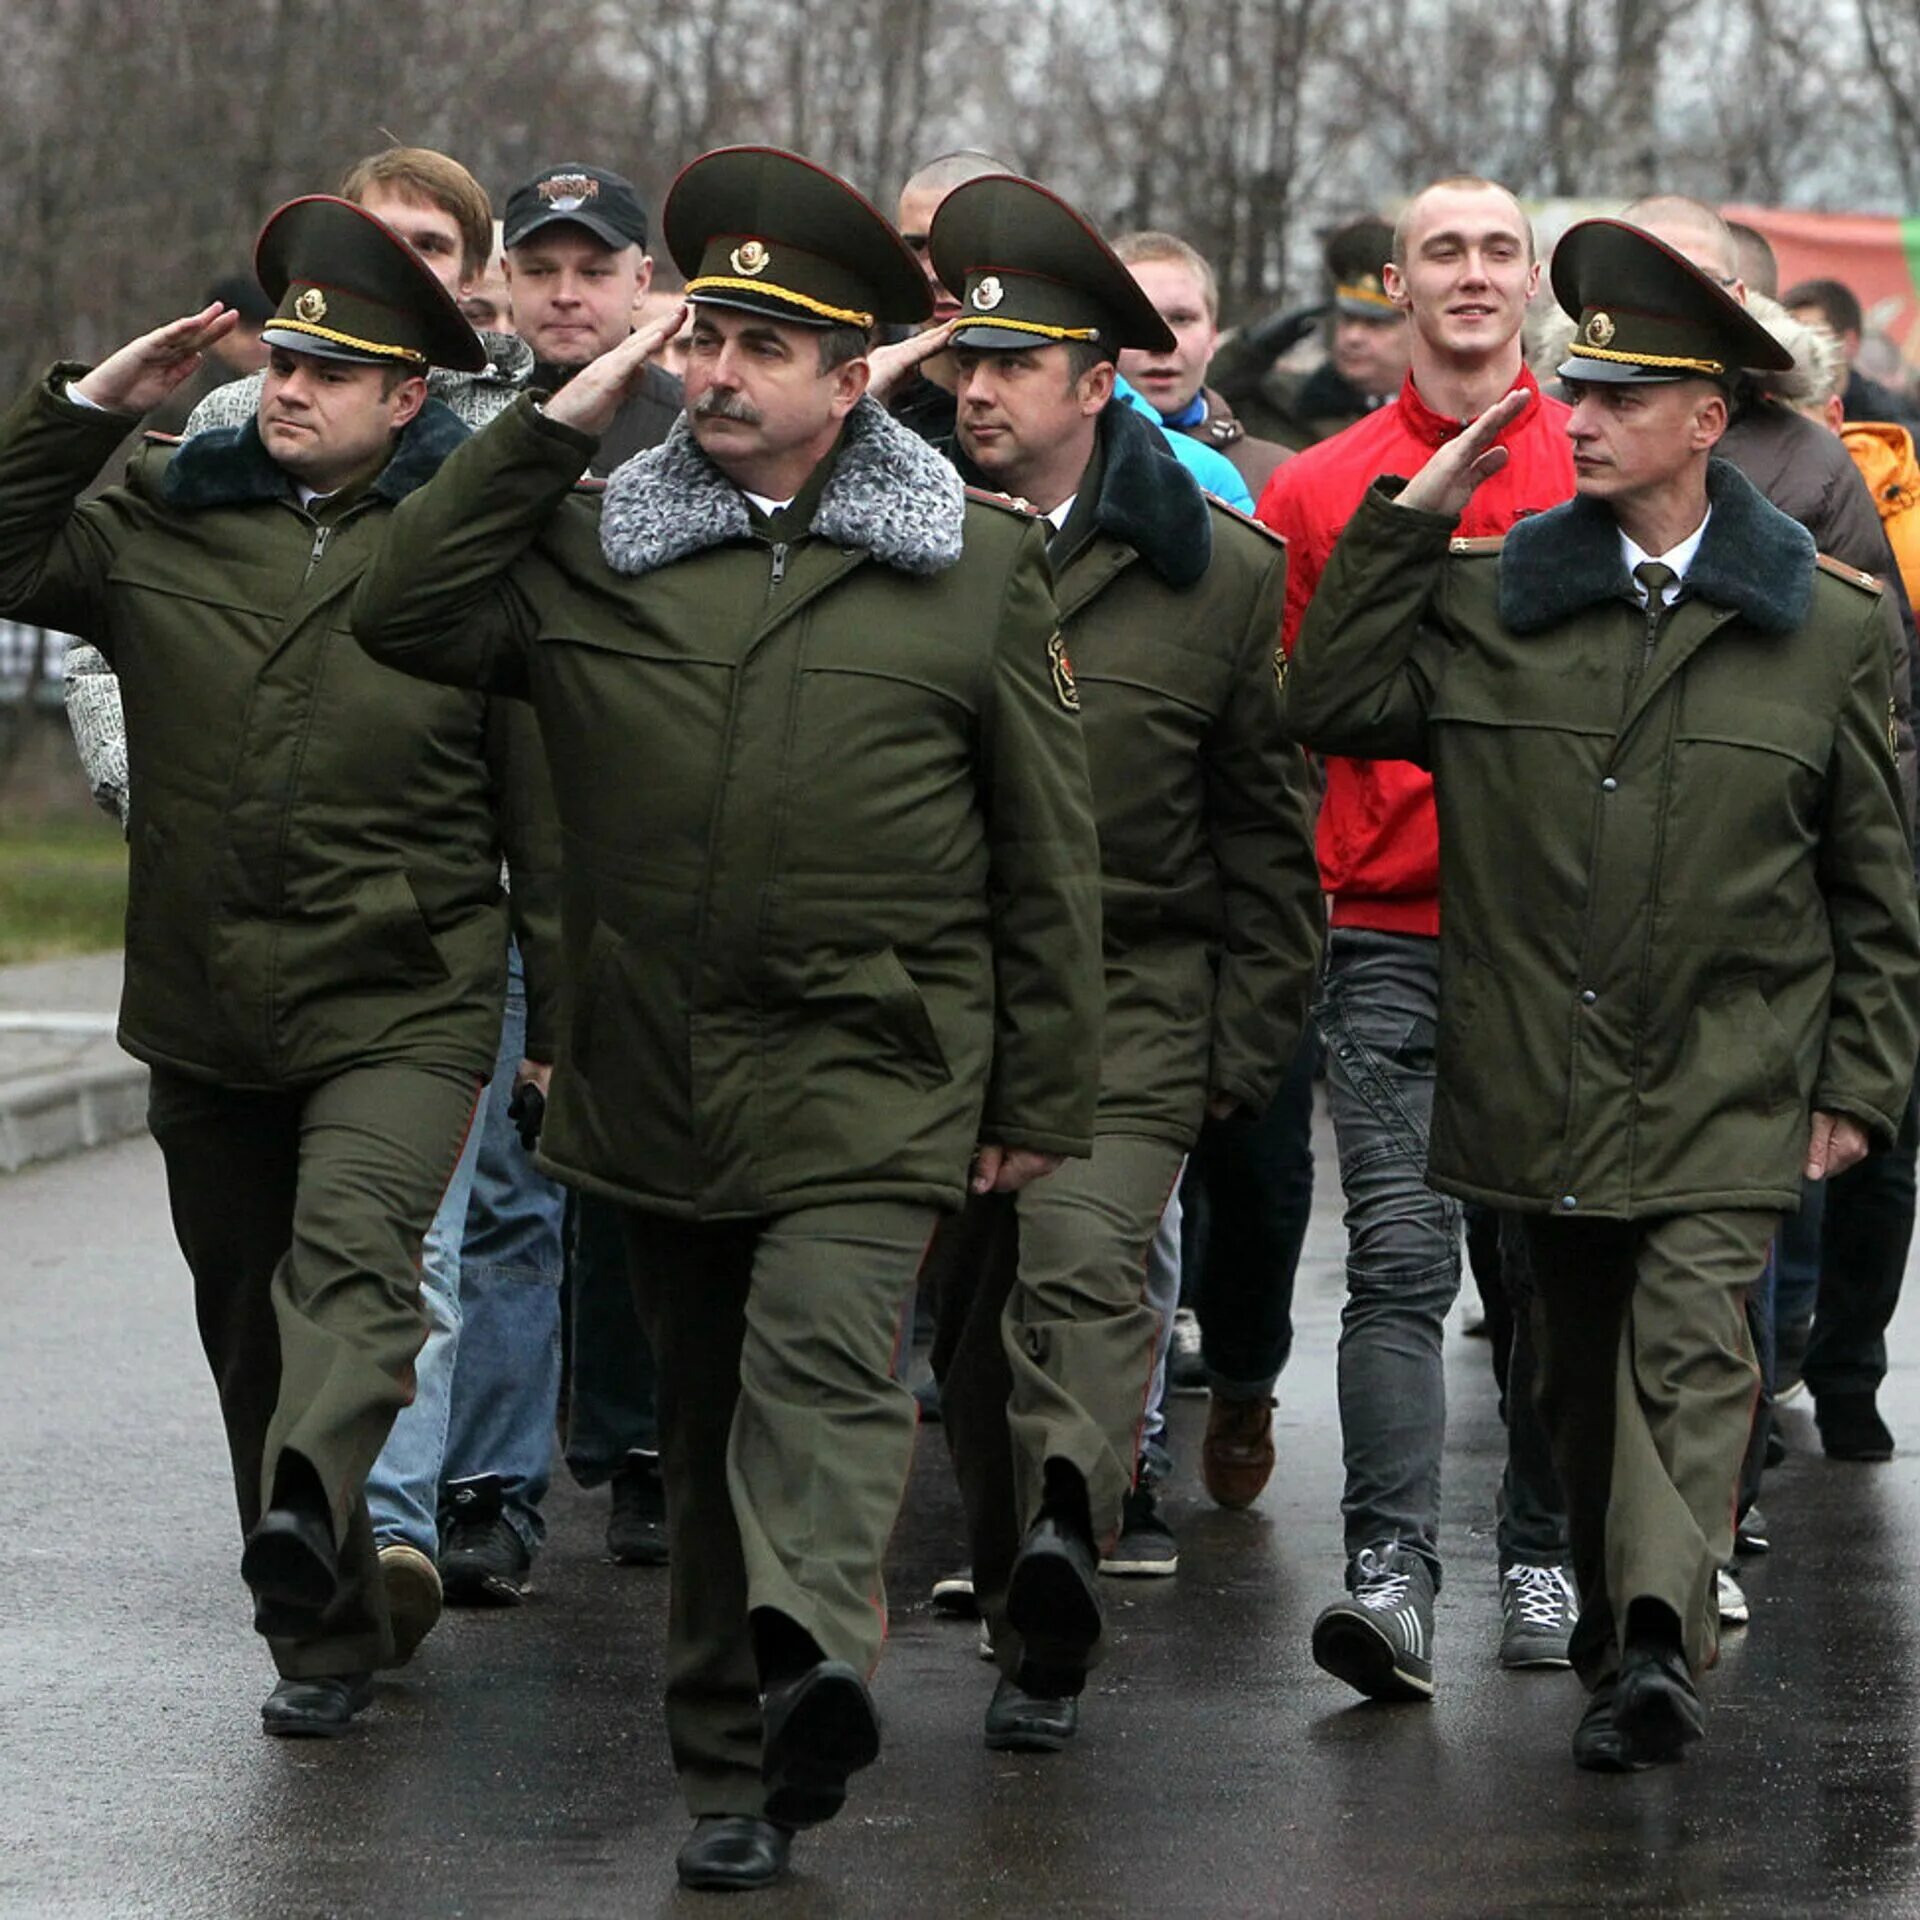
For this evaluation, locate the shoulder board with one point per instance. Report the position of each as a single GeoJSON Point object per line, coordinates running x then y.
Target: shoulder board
{"type": "Point", "coordinates": [1853, 576]}
{"type": "Point", "coordinates": [1242, 518]}
{"type": "Point", "coordinates": [154, 438]}
{"type": "Point", "coordinates": [589, 483]}
{"type": "Point", "coordinates": [1006, 502]}
{"type": "Point", "coordinates": [1482, 544]}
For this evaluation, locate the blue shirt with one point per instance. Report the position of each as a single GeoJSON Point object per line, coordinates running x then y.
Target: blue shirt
{"type": "Point", "coordinates": [1215, 472]}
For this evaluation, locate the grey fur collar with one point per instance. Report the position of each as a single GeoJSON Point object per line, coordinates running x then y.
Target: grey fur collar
{"type": "Point", "coordinates": [889, 495]}
{"type": "Point", "coordinates": [1753, 559]}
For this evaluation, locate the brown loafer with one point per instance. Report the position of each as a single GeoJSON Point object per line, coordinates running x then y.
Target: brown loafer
{"type": "Point", "coordinates": [1236, 1458]}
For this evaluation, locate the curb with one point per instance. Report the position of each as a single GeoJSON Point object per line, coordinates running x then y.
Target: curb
{"type": "Point", "coordinates": [48, 1115]}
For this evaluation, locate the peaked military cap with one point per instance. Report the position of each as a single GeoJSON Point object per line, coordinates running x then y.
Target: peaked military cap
{"type": "Point", "coordinates": [1356, 257]}
{"type": "Point", "coordinates": [345, 286]}
{"type": "Point", "coordinates": [1029, 270]}
{"type": "Point", "coordinates": [1648, 314]}
{"type": "Point", "coordinates": [768, 232]}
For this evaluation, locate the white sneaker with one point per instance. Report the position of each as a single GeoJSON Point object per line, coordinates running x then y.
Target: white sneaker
{"type": "Point", "coordinates": [1734, 1611]}
{"type": "Point", "coordinates": [1186, 1371]}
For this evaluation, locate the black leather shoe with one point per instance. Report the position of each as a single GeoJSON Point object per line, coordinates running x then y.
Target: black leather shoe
{"type": "Point", "coordinates": [316, 1709]}
{"type": "Point", "coordinates": [1053, 1603]}
{"type": "Point", "coordinates": [732, 1853]}
{"type": "Point", "coordinates": [1655, 1707]}
{"type": "Point", "coordinates": [290, 1563]}
{"type": "Point", "coordinates": [817, 1728]}
{"type": "Point", "coordinates": [1019, 1722]}
{"type": "Point", "coordinates": [1851, 1427]}
{"type": "Point", "coordinates": [1597, 1745]}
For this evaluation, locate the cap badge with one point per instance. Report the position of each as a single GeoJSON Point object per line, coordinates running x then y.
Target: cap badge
{"type": "Point", "coordinates": [1599, 329]}
{"type": "Point", "coordinates": [989, 293]}
{"type": "Point", "coordinates": [311, 306]}
{"type": "Point", "coordinates": [568, 192]}
{"type": "Point", "coordinates": [751, 258]}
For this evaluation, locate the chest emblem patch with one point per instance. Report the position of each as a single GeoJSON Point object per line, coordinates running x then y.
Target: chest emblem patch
{"type": "Point", "coordinates": [1064, 688]}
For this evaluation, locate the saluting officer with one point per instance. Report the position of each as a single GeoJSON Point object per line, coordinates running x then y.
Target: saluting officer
{"type": "Point", "coordinates": [1679, 955]}
{"type": "Point", "coordinates": [831, 899]}
{"type": "Point", "coordinates": [1170, 615]}
{"type": "Point", "coordinates": [316, 932]}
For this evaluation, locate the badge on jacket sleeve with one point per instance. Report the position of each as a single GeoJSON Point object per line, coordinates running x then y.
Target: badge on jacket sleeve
{"type": "Point", "coordinates": [1064, 688]}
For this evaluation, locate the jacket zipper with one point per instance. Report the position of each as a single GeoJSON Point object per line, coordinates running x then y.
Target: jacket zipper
{"type": "Point", "coordinates": [320, 537]}
{"type": "Point", "coordinates": [779, 568]}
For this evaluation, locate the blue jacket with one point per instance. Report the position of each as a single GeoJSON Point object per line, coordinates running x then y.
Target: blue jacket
{"type": "Point", "coordinates": [1215, 472]}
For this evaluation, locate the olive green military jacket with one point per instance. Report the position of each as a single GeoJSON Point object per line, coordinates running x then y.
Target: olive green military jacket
{"type": "Point", "coordinates": [1210, 894]}
{"type": "Point", "coordinates": [1676, 903]}
{"type": "Point", "coordinates": [315, 841]}
{"type": "Point", "coordinates": [831, 905]}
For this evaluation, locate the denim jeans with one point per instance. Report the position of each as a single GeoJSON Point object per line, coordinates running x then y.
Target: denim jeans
{"type": "Point", "coordinates": [1248, 1195]}
{"type": "Point", "coordinates": [1796, 1261]}
{"type": "Point", "coordinates": [1378, 1015]}
{"type": "Point", "coordinates": [1163, 1295]}
{"type": "Point", "coordinates": [611, 1407]}
{"type": "Point", "coordinates": [506, 1381]}
{"type": "Point", "coordinates": [403, 1490]}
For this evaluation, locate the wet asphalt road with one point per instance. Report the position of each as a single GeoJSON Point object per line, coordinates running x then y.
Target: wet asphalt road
{"type": "Point", "coordinates": [519, 1767]}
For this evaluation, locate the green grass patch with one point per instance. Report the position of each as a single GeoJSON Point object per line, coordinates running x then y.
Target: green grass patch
{"type": "Point", "coordinates": [63, 889]}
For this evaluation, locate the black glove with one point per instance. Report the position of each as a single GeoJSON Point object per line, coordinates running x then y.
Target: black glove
{"type": "Point", "coordinates": [528, 1112]}
{"type": "Point", "coordinates": [1278, 333]}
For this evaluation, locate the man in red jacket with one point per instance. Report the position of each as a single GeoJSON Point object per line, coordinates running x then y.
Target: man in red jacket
{"type": "Point", "coordinates": [1463, 268]}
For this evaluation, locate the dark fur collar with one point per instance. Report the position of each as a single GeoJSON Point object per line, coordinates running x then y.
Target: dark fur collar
{"type": "Point", "coordinates": [1150, 501]}
{"type": "Point", "coordinates": [229, 466]}
{"type": "Point", "coordinates": [1753, 559]}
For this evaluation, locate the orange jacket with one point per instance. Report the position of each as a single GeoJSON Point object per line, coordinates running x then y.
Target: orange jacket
{"type": "Point", "coordinates": [1885, 456]}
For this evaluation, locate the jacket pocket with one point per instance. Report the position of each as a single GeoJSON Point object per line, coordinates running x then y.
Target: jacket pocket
{"type": "Point", "coordinates": [382, 938]}
{"type": "Point", "coordinates": [875, 998]}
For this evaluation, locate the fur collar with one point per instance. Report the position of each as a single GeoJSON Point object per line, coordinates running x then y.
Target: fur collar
{"type": "Point", "coordinates": [1753, 559]}
{"type": "Point", "coordinates": [889, 495]}
{"type": "Point", "coordinates": [228, 465]}
{"type": "Point", "coordinates": [1150, 501]}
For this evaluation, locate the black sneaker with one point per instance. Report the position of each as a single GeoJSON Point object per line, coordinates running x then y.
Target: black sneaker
{"type": "Point", "coordinates": [1751, 1534]}
{"type": "Point", "coordinates": [1146, 1548]}
{"type": "Point", "coordinates": [483, 1560]}
{"type": "Point", "coordinates": [1379, 1640]}
{"type": "Point", "coordinates": [954, 1597]}
{"type": "Point", "coordinates": [637, 1525]}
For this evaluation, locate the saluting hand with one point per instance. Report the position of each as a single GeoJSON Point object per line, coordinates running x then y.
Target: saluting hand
{"type": "Point", "coordinates": [889, 366]}
{"type": "Point", "coordinates": [138, 377]}
{"type": "Point", "coordinates": [1835, 1144]}
{"type": "Point", "coordinates": [589, 401]}
{"type": "Point", "coordinates": [1446, 483]}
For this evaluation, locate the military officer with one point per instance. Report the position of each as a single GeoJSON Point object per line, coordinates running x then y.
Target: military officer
{"type": "Point", "coordinates": [1170, 612]}
{"type": "Point", "coordinates": [1679, 953]}
{"type": "Point", "coordinates": [315, 924]}
{"type": "Point", "coordinates": [831, 887]}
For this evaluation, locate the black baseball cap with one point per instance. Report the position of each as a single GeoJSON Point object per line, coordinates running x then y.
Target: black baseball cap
{"type": "Point", "coordinates": [606, 204]}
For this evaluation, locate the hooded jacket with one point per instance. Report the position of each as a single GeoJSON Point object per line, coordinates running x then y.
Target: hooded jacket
{"type": "Point", "coordinates": [1883, 452]}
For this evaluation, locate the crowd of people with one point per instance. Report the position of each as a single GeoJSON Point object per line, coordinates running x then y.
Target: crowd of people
{"type": "Point", "coordinates": [890, 770]}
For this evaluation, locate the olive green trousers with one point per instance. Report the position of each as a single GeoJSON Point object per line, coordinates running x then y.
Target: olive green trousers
{"type": "Point", "coordinates": [1646, 1382]}
{"type": "Point", "coordinates": [786, 1439]}
{"type": "Point", "coordinates": [1044, 1345]}
{"type": "Point", "coordinates": [301, 1215]}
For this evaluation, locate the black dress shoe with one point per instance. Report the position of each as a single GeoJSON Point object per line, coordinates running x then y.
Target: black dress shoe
{"type": "Point", "coordinates": [1019, 1722]}
{"type": "Point", "coordinates": [733, 1853]}
{"type": "Point", "coordinates": [1053, 1603]}
{"type": "Point", "coordinates": [1655, 1706]}
{"type": "Point", "coordinates": [290, 1563]}
{"type": "Point", "coordinates": [316, 1709]}
{"type": "Point", "coordinates": [1851, 1427]}
{"type": "Point", "coordinates": [817, 1728]}
{"type": "Point", "coordinates": [1597, 1744]}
